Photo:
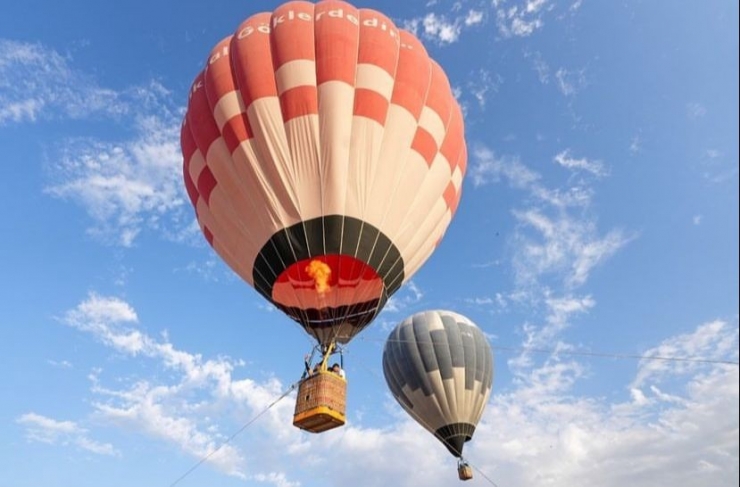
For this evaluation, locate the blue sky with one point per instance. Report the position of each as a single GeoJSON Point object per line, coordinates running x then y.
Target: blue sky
{"type": "Point", "coordinates": [598, 223]}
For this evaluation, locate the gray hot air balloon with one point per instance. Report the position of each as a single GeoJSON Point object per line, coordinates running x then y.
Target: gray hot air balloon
{"type": "Point", "coordinates": [439, 367]}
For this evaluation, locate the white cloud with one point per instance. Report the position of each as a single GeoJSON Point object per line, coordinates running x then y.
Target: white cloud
{"type": "Point", "coordinates": [436, 28]}
{"type": "Point", "coordinates": [717, 168]}
{"type": "Point", "coordinates": [482, 83]}
{"type": "Point", "coordinates": [561, 245]}
{"type": "Point", "coordinates": [51, 431]}
{"type": "Point", "coordinates": [559, 312]}
{"type": "Point", "coordinates": [561, 309]}
{"type": "Point", "coordinates": [550, 243]}
{"type": "Point", "coordinates": [278, 479]}
{"type": "Point", "coordinates": [715, 340]}
{"type": "Point", "coordinates": [538, 430]}
{"type": "Point", "coordinates": [569, 82]}
{"type": "Point", "coordinates": [695, 110]}
{"type": "Point", "coordinates": [124, 186]}
{"type": "Point", "coordinates": [576, 5]}
{"type": "Point", "coordinates": [62, 364]}
{"type": "Point", "coordinates": [441, 28]}
{"type": "Point", "coordinates": [488, 168]}
{"type": "Point", "coordinates": [474, 17]}
{"type": "Point", "coordinates": [594, 167]}
{"type": "Point", "coordinates": [408, 295]}
{"type": "Point", "coordinates": [542, 68]}
{"type": "Point", "coordinates": [128, 186]}
{"type": "Point", "coordinates": [521, 19]}
{"type": "Point", "coordinates": [37, 83]}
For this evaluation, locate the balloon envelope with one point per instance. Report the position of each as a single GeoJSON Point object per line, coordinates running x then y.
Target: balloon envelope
{"type": "Point", "coordinates": [439, 367]}
{"type": "Point", "coordinates": [324, 156]}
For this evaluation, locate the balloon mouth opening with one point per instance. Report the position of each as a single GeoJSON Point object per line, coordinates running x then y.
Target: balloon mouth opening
{"type": "Point", "coordinates": [333, 297]}
{"type": "Point", "coordinates": [327, 281]}
{"type": "Point", "coordinates": [454, 436]}
{"type": "Point", "coordinates": [330, 292]}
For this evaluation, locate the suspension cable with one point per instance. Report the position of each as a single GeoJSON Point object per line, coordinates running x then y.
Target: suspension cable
{"type": "Point", "coordinates": [235, 434]}
{"type": "Point", "coordinates": [584, 353]}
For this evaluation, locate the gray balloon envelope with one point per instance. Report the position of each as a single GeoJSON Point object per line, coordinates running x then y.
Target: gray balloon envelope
{"type": "Point", "coordinates": [439, 367]}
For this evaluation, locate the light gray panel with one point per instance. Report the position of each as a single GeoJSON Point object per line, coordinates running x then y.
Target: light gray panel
{"type": "Point", "coordinates": [480, 352]}
{"type": "Point", "coordinates": [469, 350]}
{"type": "Point", "coordinates": [488, 367]}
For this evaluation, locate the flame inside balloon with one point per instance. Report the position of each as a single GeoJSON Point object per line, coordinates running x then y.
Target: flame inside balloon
{"type": "Point", "coordinates": [320, 272]}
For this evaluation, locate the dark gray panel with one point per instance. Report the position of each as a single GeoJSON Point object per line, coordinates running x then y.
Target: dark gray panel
{"type": "Point", "coordinates": [442, 353]}
{"type": "Point", "coordinates": [454, 339]}
{"type": "Point", "coordinates": [419, 355]}
{"type": "Point", "coordinates": [480, 353]}
{"type": "Point", "coordinates": [423, 340]}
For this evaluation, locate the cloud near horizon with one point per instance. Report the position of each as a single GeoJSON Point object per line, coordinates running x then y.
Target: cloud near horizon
{"type": "Point", "coordinates": [538, 430]}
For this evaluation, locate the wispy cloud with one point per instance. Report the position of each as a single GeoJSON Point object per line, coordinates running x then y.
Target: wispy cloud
{"type": "Point", "coordinates": [561, 245]}
{"type": "Point", "coordinates": [54, 432]}
{"type": "Point", "coordinates": [550, 239]}
{"type": "Point", "coordinates": [715, 340]}
{"type": "Point", "coordinates": [444, 28]}
{"type": "Point", "coordinates": [717, 168]}
{"type": "Point", "coordinates": [540, 66]}
{"type": "Point", "coordinates": [570, 82]}
{"type": "Point", "coordinates": [519, 19]}
{"type": "Point", "coordinates": [409, 295]}
{"type": "Point", "coordinates": [172, 412]}
{"type": "Point", "coordinates": [435, 27]}
{"type": "Point", "coordinates": [488, 168]}
{"type": "Point", "coordinates": [482, 84]}
{"type": "Point", "coordinates": [695, 110]}
{"type": "Point", "coordinates": [666, 433]}
{"type": "Point", "coordinates": [594, 167]}
{"type": "Point", "coordinates": [124, 185]}
{"type": "Point", "coordinates": [38, 83]}
{"type": "Point", "coordinates": [554, 249]}
{"type": "Point", "coordinates": [539, 428]}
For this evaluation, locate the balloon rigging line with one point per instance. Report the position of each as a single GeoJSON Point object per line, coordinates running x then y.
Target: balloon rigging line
{"type": "Point", "coordinates": [429, 429]}
{"type": "Point", "coordinates": [235, 434]}
{"type": "Point", "coordinates": [589, 354]}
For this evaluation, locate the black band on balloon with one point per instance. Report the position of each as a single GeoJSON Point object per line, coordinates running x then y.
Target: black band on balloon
{"type": "Point", "coordinates": [455, 435]}
{"type": "Point", "coordinates": [328, 235]}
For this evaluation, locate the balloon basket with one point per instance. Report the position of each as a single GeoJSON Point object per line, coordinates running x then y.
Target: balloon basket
{"type": "Point", "coordinates": [321, 402]}
{"type": "Point", "coordinates": [464, 472]}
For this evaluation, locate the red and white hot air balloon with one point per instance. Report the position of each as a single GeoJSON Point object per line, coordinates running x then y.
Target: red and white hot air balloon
{"type": "Point", "coordinates": [324, 156]}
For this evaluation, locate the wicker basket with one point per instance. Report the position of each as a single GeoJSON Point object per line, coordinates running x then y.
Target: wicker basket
{"type": "Point", "coordinates": [321, 402]}
{"type": "Point", "coordinates": [464, 472]}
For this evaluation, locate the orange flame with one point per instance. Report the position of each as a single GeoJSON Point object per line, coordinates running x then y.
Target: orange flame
{"type": "Point", "coordinates": [320, 272]}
